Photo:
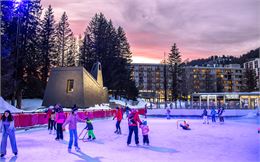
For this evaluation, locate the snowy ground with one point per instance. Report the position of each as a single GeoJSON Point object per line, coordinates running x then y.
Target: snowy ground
{"type": "Point", "coordinates": [236, 140]}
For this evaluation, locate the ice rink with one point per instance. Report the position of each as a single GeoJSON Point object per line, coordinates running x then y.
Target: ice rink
{"type": "Point", "coordinates": [234, 141]}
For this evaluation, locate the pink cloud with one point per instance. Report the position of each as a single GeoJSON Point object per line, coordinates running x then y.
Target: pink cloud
{"type": "Point", "coordinates": [200, 28]}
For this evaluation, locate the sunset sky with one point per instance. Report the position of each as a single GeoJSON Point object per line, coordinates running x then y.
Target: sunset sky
{"type": "Point", "coordinates": [199, 27]}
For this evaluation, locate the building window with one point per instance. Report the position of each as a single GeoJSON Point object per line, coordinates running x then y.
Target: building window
{"type": "Point", "coordinates": [256, 64]}
{"type": "Point", "coordinates": [70, 85]}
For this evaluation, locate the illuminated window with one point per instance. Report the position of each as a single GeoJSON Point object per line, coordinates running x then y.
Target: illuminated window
{"type": "Point", "coordinates": [70, 85]}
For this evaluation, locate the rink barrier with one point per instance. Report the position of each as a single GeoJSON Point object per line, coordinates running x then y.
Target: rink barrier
{"type": "Point", "coordinates": [35, 119]}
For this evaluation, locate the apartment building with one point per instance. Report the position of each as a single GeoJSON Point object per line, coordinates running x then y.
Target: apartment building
{"type": "Point", "coordinates": [255, 65]}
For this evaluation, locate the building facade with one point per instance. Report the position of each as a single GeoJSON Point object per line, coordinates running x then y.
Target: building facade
{"type": "Point", "coordinates": [214, 79]}
{"type": "Point", "coordinates": [255, 65]}
{"type": "Point", "coordinates": [149, 79]}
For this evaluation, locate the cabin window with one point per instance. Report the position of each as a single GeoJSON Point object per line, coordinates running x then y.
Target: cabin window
{"type": "Point", "coordinates": [70, 85]}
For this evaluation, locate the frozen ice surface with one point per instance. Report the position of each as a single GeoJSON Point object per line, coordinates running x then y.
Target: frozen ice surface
{"type": "Point", "coordinates": [234, 141]}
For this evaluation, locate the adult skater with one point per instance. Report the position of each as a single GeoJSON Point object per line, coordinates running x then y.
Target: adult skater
{"type": "Point", "coordinates": [133, 120]}
{"type": "Point", "coordinates": [168, 112]}
{"type": "Point", "coordinates": [60, 119]}
{"type": "Point", "coordinates": [145, 111]}
{"type": "Point", "coordinates": [72, 121]}
{"type": "Point", "coordinates": [48, 112]}
{"type": "Point", "coordinates": [220, 114]}
{"type": "Point", "coordinates": [205, 116]}
{"type": "Point", "coordinates": [7, 128]}
{"type": "Point", "coordinates": [118, 117]}
{"type": "Point", "coordinates": [213, 115]}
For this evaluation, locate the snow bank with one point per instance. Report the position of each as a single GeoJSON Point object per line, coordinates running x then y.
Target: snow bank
{"type": "Point", "coordinates": [31, 104]}
{"type": "Point", "coordinates": [6, 106]}
{"type": "Point", "coordinates": [141, 103]}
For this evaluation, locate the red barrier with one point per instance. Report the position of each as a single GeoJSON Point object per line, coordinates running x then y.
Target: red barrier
{"type": "Point", "coordinates": [26, 120]}
{"type": "Point", "coordinates": [42, 118]}
{"type": "Point", "coordinates": [16, 121]}
{"type": "Point", "coordinates": [35, 119]}
{"type": "Point", "coordinates": [82, 115]}
{"type": "Point", "coordinates": [91, 115]}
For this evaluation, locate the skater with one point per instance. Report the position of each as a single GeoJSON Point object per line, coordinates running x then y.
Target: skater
{"type": "Point", "coordinates": [7, 128]}
{"type": "Point", "coordinates": [118, 117]}
{"type": "Point", "coordinates": [205, 116]}
{"type": "Point", "coordinates": [60, 119]}
{"type": "Point", "coordinates": [127, 109]}
{"type": "Point", "coordinates": [145, 111]}
{"type": "Point", "coordinates": [213, 115]}
{"type": "Point", "coordinates": [133, 120]}
{"type": "Point", "coordinates": [72, 121]}
{"type": "Point", "coordinates": [185, 125]}
{"type": "Point", "coordinates": [168, 113]}
{"type": "Point", "coordinates": [49, 111]}
{"type": "Point", "coordinates": [52, 121]}
{"type": "Point", "coordinates": [145, 129]}
{"type": "Point", "coordinates": [90, 129]}
{"type": "Point", "coordinates": [220, 115]}
{"type": "Point", "coordinates": [258, 130]}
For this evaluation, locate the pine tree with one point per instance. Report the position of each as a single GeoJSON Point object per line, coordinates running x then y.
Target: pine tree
{"type": "Point", "coordinates": [63, 35]}
{"type": "Point", "coordinates": [25, 52]}
{"type": "Point", "coordinates": [72, 52]}
{"type": "Point", "coordinates": [174, 62]}
{"type": "Point", "coordinates": [47, 44]}
{"type": "Point", "coordinates": [86, 58]}
{"type": "Point", "coordinates": [103, 43]}
{"type": "Point", "coordinates": [8, 43]}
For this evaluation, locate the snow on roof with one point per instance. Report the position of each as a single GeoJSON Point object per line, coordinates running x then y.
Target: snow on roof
{"type": "Point", "coordinates": [6, 106]}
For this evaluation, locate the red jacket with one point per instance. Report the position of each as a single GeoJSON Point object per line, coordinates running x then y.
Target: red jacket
{"type": "Point", "coordinates": [49, 113]}
{"type": "Point", "coordinates": [133, 119]}
{"type": "Point", "coordinates": [119, 115]}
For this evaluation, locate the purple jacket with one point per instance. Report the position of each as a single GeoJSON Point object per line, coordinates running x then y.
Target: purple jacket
{"type": "Point", "coordinates": [72, 121]}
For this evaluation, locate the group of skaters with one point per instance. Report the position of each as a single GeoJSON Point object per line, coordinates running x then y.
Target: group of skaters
{"type": "Point", "coordinates": [133, 122]}
{"type": "Point", "coordinates": [213, 115]}
{"type": "Point", "coordinates": [57, 119]}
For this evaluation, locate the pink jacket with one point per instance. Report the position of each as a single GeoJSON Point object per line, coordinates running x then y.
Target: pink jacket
{"type": "Point", "coordinates": [60, 117]}
{"type": "Point", "coordinates": [145, 129]}
{"type": "Point", "coordinates": [72, 121]}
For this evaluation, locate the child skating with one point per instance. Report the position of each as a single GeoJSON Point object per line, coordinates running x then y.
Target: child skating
{"type": "Point", "coordinates": [52, 117]}
{"type": "Point", "coordinates": [145, 130]}
{"type": "Point", "coordinates": [185, 125]}
{"type": "Point", "coordinates": [118, 117]}
{"type": "Point", "coordinates": [90, 129]}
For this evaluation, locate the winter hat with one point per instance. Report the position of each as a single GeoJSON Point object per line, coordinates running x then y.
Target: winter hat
{"type": "Point", "coordinates": [144, 122]}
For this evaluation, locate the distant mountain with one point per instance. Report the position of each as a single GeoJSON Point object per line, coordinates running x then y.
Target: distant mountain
{"type": "Point", "coordinates": [224, 60]}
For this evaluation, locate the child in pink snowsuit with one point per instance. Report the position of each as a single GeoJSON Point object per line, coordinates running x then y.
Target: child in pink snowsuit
{"type": "Point", "coordinates": [145, 129]}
